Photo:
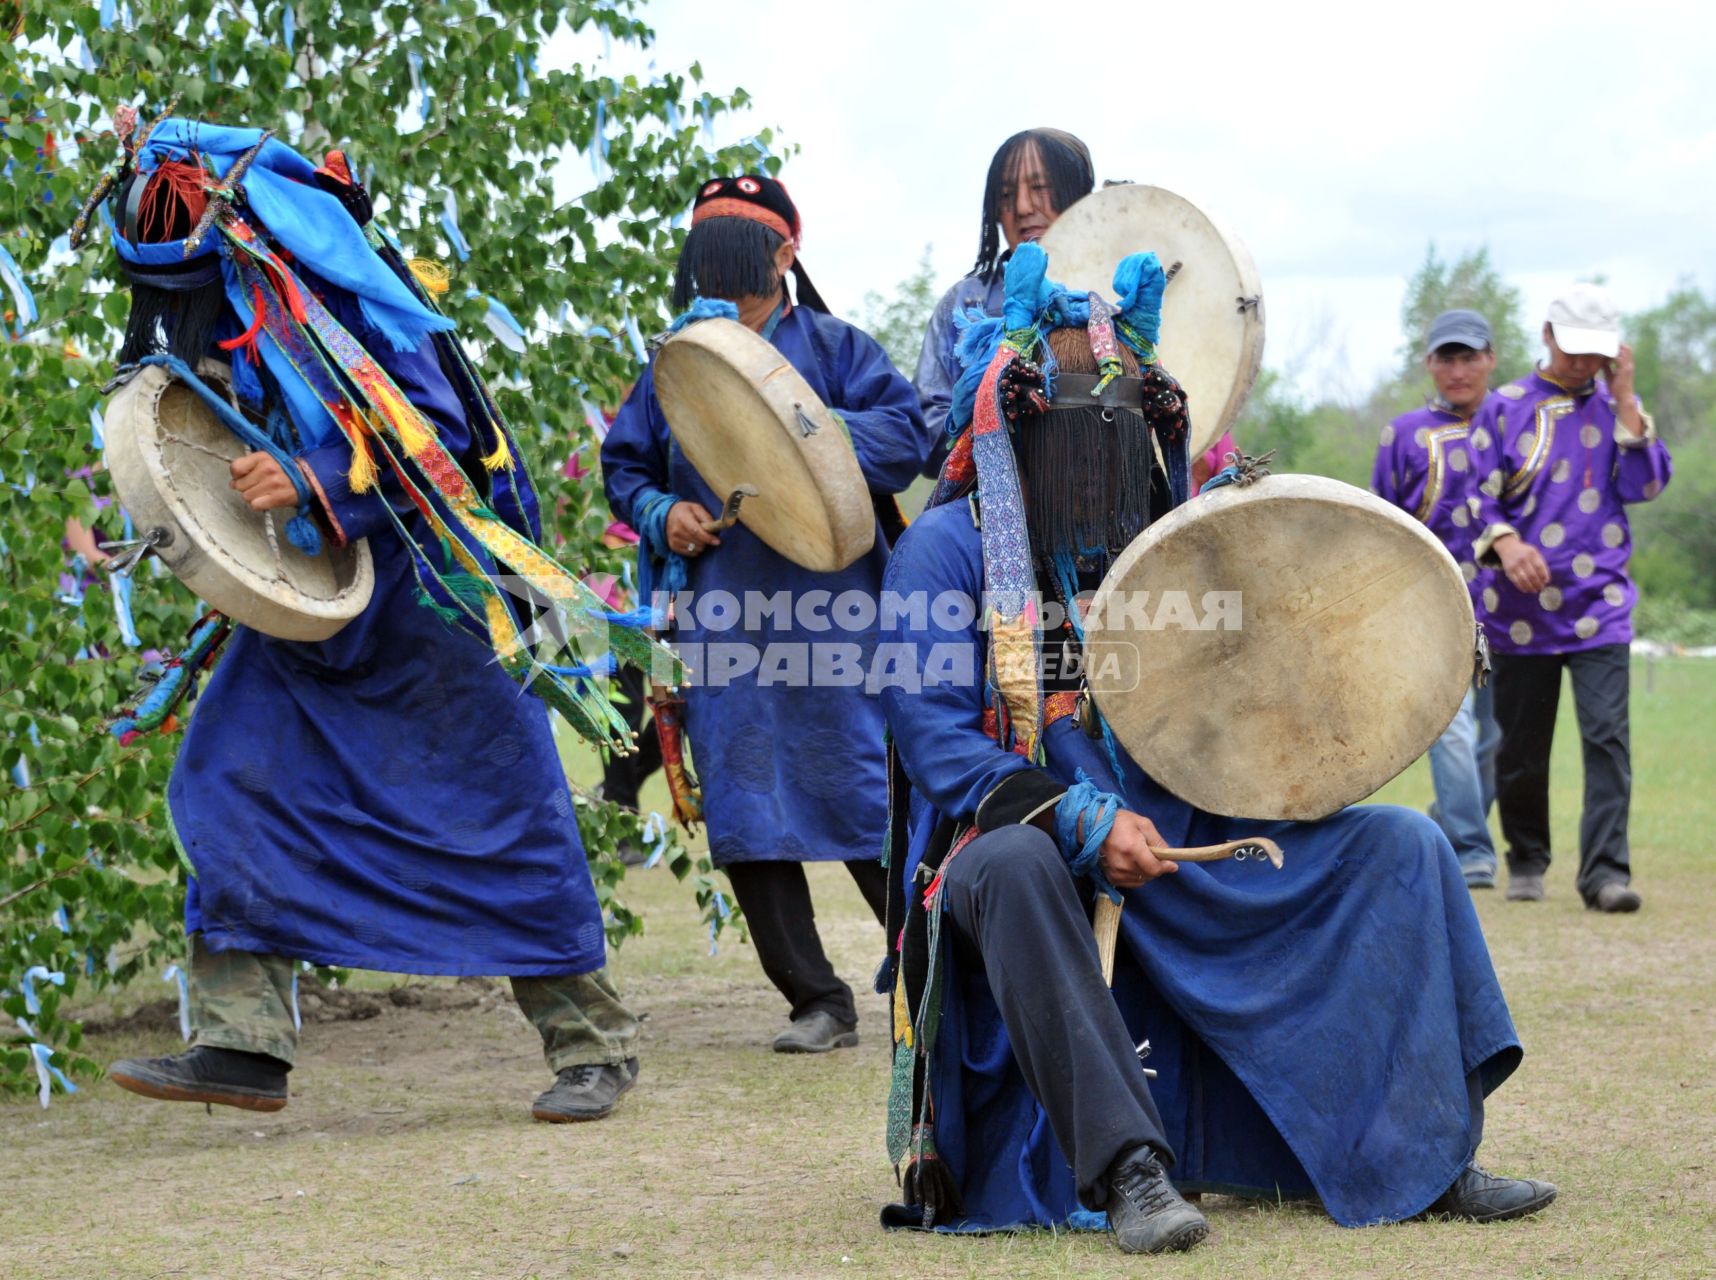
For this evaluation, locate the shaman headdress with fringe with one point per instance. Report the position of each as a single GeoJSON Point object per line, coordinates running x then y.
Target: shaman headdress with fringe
{"type": "Point", "coordinates": [218, 230]}
{"type": "Point", "coordinates": [1096, 441]}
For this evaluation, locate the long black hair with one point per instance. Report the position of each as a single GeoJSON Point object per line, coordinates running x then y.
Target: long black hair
{"type": "Point", "coordinates": [733, 258]}
{"type": "Point", "coordinates": [1066, 164]}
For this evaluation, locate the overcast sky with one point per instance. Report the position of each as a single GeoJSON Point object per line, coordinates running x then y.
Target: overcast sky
{"type": "Point", "coordinates": [1337, 140]}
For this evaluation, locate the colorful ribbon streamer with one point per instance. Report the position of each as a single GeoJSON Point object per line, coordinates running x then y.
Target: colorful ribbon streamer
{"type": "Point", "coordinates": [47, 1073]}
{"type": "Point", "coordinates": [722, 912]}
{"type": "Point", "coordinates": [599, 139]}
{"type": "Point", "coordinates": [450, 226]}
{"type": "Point", "coordinates": [416, 61]}
{"type": "Point", "coordinates": [23, 308]}
{"type": "Point", "coordinates": [176, 974]}
{"type": "Point", "coordinates": [654, 834]}
{"type": "Point", "coordinates": [636, 336]}
{"type": "Point", "coordinates": [35, 973]}
{"type": "Point", "coordinates": [505, 326]}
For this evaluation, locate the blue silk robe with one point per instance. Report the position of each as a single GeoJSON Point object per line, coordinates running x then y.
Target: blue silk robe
{"type": "Point", "coordinates": [1313, 1027]}
{"type": "Point", "coordinates": [784, 734]}
{"type": "Point", "coordinates": [387, 798]}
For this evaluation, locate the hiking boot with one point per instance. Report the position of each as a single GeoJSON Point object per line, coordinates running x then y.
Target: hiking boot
{"type": "Point", "coordinates": [1478, 1196]}
{"type": "Point", "coordinates": [1524, 888]}
{"type": "Point", "coordinates": [585, 1092]}
{"type": "Point", "coordinates": [230, 1077]}
{"type": "Point", "coordinates": [1145, 1213]}
{"type": "Point", "coordinates": [1616, 896]}
{"type": "Point", "coordinates": [817, 1033]}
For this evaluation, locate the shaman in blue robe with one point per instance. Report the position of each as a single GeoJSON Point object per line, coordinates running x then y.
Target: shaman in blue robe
{"type": "Point", "coordinates": [387, 798]}
{"type": "Point", "coordinates": [1316, 1029]}
{"type": "Point", "coordinates": [785, 736]}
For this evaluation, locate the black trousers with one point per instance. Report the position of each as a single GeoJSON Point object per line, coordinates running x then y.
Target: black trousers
{"type": "Point", "coordinates": [1017, 912]}
{"type": "Point", "coordinates": [1528, 691]}
{"type": "Point", "coordinates": [775, 897]}
{"type": "Point", "coordinates": [623, 776]}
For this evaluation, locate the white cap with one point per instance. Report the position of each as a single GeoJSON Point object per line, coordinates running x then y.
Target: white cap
{"type": "Point", "coordinates": [1586, 321]}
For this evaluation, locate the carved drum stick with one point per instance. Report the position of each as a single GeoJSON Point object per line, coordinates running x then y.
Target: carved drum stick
{"type": "Point", "coordinates": [1106, 923]}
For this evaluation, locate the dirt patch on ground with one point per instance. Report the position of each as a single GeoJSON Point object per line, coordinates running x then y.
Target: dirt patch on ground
{"type": "Point", "coordinates": [318, 1003]}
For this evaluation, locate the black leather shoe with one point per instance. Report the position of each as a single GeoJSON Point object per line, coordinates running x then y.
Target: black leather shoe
{"type": "Point", "coordinates": [585, 1092]}
{"type": "Point", "coordinates": [1615, 896]}
{"type": "Point", "coordinates": [817, 1033]}
{"type": "Point", "coordinates": [1478, 1196]}
{"type": "Point", "coordinates": [1145, 1213]}
{"type": "Point", "coordinates": [252, 1081]}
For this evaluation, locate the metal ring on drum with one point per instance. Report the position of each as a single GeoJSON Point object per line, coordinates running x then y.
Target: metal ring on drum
{"type": "Point", "coordinates": [1281, 650]}
{"type": "Point", "coordinates": [1212, 312]}
{"type": "Point", "coordinates": [750, 425]}
{"type": "Point", "coordinates": [170, 458]}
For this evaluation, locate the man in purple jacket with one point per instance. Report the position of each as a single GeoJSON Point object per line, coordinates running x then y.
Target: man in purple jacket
{"type": "Point", "coordinates": [1560, 453]}
{"type": "Point", "coordinates": [1423, 467]}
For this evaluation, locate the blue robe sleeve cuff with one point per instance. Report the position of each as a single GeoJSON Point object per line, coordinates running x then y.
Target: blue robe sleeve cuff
{"type": "Point", "coordinates": [1019, 797]}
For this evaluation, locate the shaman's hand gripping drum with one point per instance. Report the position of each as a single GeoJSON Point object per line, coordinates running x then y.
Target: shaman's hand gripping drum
{"type": "Point", "coordinates": [752, 427]}
{"type": "Point", "coordinates": [169, 456]}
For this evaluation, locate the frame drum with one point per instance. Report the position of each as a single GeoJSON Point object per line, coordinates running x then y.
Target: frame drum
{"type": "Point", "coordinates": [169, 457]}
{"type": "Point", "coordinates": [744, 416]}
{"type": "Point", "coordinates": [1281, 650]}
{"type": "Point", "coordinates": [1212, 312]}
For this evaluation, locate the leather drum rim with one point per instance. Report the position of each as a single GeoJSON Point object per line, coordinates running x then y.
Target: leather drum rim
{"type": "Point", "coordinates": [276, 604]}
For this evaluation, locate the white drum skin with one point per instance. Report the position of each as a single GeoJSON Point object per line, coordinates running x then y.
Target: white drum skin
{"type": "Point", "coordinates": [169, 457]}
{"type": "Point", "coordinates": [1212, 311]}
{"type": "Point", "coordinates": [744, 415]}
{"type": "Point", "coordinates": [1336, 649]}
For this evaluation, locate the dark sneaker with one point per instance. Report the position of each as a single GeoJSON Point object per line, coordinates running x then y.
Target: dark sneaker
{"type": "Point", "coordinates": [1524, 888]}
{"type": "Point", "coordinates": [1478, 1196]}
{"type": "Point", "coordinates": [1145, 1213]}
{"type": "Point", "coordinates": [817, 1033]}
{"type": "Point", "coordinates": [1480, 877]}
{"type": "Point", "coordinates": [586, 1092]}
{"type": "Point", "coordinates": [253, 1081]}
{"type": "Point", "coordinates": [1616, 896]}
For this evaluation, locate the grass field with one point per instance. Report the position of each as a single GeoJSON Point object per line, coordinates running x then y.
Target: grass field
{"type": "Point", "coordinates": [408, 1149]}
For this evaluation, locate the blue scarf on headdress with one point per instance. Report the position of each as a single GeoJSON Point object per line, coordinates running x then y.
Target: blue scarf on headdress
{"type": "Point", "coordinates": [1036, 305]}
{"type": "Point", "coordinates": [284, 202]}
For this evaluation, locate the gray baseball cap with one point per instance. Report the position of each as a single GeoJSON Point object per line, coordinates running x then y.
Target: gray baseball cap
{"type": "Point", "coordinates": [1459, 328]}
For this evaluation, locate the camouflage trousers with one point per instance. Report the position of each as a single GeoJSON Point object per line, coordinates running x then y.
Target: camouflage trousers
{"type": "Point", "coordinates": [243, 1000]}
